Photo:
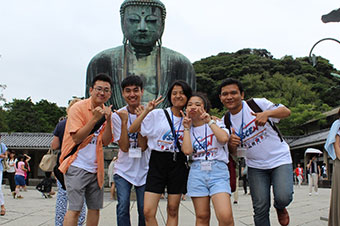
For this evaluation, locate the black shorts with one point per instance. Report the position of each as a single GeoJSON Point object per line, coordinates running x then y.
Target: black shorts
{"type": "Point", "coordinates": [165, 172]}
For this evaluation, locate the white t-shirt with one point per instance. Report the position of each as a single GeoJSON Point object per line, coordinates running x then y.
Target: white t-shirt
{"type": "Point", "coordinates": [206, 138]}
{"type": "Point", "coordinates": [134, 170]}
{"type": "Point", "coordinates": [87, 157]}
{"type": "Point", "coordinates": [264, 147]}
{"type": "Point", "coordinates": [156, 127]}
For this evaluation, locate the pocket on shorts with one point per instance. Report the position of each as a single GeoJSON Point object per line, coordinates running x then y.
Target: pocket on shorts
{"type": "Point", "coordinates": [221, 165]}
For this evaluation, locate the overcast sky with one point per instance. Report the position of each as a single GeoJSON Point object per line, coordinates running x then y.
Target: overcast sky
{"type": "Point", "coordinates": [46, 45]}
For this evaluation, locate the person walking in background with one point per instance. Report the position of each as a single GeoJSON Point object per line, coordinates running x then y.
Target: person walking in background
{"type": "Point", "coordinates": [61, 200]}
{"type": "Point", "coordinates": [299, 174]}
{"type": "Point", "coordinates": [313, 174]}
{"type": "Point", "coordinates": [132, 165]}
{"type": "Point", "coordinates": [11, 171]}
{"type": "Point", "coordinates": [324, 171]}
{"type": "Point", "coordinates": [332, 146]}
{"type": "Point", "coordinates": [244, 175]}
{"type": "Point", "coordinates": [110, 173]}
{"type": "Point", "coordinates": [3, 156]}
{"type": "Point", "coordinates": [27, 166]}
{"type": "Point", "coordinates": [19, 175]}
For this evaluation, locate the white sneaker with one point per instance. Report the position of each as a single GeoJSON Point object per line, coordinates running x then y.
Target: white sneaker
{"type": "Point", "coordinates": [310, 194]}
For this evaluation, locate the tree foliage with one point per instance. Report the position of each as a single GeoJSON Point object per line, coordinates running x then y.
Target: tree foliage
{"type": "Point", "coordinates": [306, 90]}
{"type": "Point", "coordinates": [25, 116]}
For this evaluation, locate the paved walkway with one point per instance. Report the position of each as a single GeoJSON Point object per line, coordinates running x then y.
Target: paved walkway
{"type": "Point", "coordinates": [34, 210]}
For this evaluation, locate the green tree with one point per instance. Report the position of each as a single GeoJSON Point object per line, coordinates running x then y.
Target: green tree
{"type": "Point", "coordinates": [25, 116]}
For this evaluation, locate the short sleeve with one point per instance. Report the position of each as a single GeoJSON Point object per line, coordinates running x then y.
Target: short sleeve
{"type": "Point", "coordinates": [148, 124]}
{"type": "Point", "coordinates": [76, 119]}
{"type": "Point", "coordinates": [266, 105]}
{"type": "Point", "coordinates": [116, 126]}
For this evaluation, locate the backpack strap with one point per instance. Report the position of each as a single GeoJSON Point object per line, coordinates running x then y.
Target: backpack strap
{"type": "Point", "coordinates": [253, 106]}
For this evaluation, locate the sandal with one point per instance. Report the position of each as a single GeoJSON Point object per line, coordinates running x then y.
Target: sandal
{"type": "Point", "coordinates": [2, 212]}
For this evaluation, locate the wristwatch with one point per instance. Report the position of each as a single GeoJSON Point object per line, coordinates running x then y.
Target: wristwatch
{"type": "Point", "coordinates": [212, 121]}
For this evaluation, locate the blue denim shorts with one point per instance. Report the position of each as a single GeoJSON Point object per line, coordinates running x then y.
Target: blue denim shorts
{"type": "Point", "coordinates": [203, 183]}
{"type": "Point", "coordinates": [19, 180]}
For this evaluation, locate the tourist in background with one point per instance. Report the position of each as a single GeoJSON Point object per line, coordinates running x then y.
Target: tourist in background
{"type": "Point", "coordinates": [3, 155]}
{"type": "Point", "coordinates": [299, 174]}
{"type": "Point", "coordinates": [11, 171]}
{"type": "Point", "coordinates": [332, 146]}
{"type": "Point", "coordinates": [313, 174]}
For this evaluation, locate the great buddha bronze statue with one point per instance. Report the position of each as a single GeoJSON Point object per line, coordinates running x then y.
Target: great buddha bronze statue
{"type": "Point", "coordinates": [141, 54]}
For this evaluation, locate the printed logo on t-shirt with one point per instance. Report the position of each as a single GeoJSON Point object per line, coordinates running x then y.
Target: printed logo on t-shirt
{"type": "Point", "coordinates": [253, 135]}
{"type": "Point", "coordinates": [201, 144]}
{"type": "Point", "coordinates": [167, 141]}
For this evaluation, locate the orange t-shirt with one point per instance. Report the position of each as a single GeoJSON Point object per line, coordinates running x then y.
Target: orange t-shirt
{"type": "Point", "coordinates": [79, 114]}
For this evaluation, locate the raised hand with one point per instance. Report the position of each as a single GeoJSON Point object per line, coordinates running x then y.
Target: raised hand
{"type": "Point", "coordinates": [234, 140]}
{"type": "Point", "coordinates": [261, 118]}
{"type": "Point", "coordinates": [187, 122]}
{"type": "Point", "coordinates": [153, 103]}
{"type": "Point", "coordinates": [107, 111]}
{"type": "Point", "coordinates": [98, 113]}
{"type": "Point", "coordinates": [204, 115]}
{"type": "Point", "coordinates": [139, 110]}
{"type": "Point", "coordinates": [123, 114]}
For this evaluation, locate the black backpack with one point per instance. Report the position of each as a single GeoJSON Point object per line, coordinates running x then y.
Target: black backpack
{"type": "Point", "coordinates": [253, 106]}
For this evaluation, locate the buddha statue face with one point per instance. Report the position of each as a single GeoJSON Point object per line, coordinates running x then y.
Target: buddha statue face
{"type": "Point", "coordinates": [142, 25]}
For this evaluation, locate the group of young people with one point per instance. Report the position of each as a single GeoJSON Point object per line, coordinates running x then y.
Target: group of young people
{"type": "Point", "coordinates": [154, 145]}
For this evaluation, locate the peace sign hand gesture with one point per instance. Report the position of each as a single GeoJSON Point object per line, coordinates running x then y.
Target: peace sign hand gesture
{"type": "Point", "coordinates": [153, 103]}
{"type": "Point", "coordinates": [204, 115]}
{"type": "Point", "coordinates": [187, 122]}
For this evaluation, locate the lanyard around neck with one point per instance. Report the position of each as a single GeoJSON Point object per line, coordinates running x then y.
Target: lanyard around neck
{"type": "Point", "coordinates": [205, 139]}
{"type": "Point", "coordinates": [176, 134]}
{"type": "Point", "coordinates": [240, 130]}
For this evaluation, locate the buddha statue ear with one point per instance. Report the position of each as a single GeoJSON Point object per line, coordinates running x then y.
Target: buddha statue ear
{"type": "Point", "coordinates": [159, 42]}
{"type": "Point", "coordinates": [125, 40]}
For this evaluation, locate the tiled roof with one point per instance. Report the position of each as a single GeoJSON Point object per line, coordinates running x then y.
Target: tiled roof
{"type": "Point", "coordinates": [27, 140]}
{"type": "Point", "coordinates": [309, 140]}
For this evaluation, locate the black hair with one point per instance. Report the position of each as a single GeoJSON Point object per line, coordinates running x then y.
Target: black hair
{"type": "Point", "coordinates": [339, 113]}
{"type": "Point", "coordinates": [132, 80]}
{"type": "Point", "coordinates": [20, 158]}
{"type": "Point", "coordinates": [230, 81]}
{"type": "Point", "coordinates": [205, 100]}
{"type": "Point", "coordinates": [185, 86]}
{"type": "Point", "coordinates": [102, 77]}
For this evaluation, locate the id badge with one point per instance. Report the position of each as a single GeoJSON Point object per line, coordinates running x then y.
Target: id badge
{"type": "Point", "coordinates": [241, 151]}
{"type": "Point", "coordinates": [206, 165]}
{"type": "Point", "coordinates": [135, 152]}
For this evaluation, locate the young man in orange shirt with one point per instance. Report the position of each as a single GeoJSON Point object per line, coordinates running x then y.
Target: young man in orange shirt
{"type": "Point", "coordinates": [84, 170]}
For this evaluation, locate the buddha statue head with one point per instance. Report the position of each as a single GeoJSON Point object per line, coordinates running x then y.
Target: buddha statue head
{"type": "Point", "coordinates": [142, 22]}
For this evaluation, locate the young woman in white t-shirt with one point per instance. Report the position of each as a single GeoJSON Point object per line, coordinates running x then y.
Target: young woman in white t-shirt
{"type": "Point", "coordinates": [209, 175]}
{"type": "Point", "coordinates": [167, 165]}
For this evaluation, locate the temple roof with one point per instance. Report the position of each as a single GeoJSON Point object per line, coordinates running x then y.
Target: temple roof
{"type": "Point", "coordinates": [27, 140]}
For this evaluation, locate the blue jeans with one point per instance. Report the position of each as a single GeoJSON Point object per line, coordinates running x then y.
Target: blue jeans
{"type": "Point", "coordinates": [260, 181]}
{"type": "Point", "coordinates": [123, 197]}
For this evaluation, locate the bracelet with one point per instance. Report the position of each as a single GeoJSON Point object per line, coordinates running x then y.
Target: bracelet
{"type": "Point", "coordinates": [212, 121]}
{"type": "Point", "coordinates": [186, 129]}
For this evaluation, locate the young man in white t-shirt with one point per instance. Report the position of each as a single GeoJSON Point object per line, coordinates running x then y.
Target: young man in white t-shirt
{"type": "Point", "coordinates": [267, 155]}
{"type": "Point", "coordinates": [132, 165]}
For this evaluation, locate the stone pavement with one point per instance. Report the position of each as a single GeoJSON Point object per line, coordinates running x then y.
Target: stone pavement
{"type": "Point", "coordinates": [34, 210]}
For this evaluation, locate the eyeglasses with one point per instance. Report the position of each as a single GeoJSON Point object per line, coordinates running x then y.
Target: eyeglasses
{"type": "Point", "coordinates": [100, 89]}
